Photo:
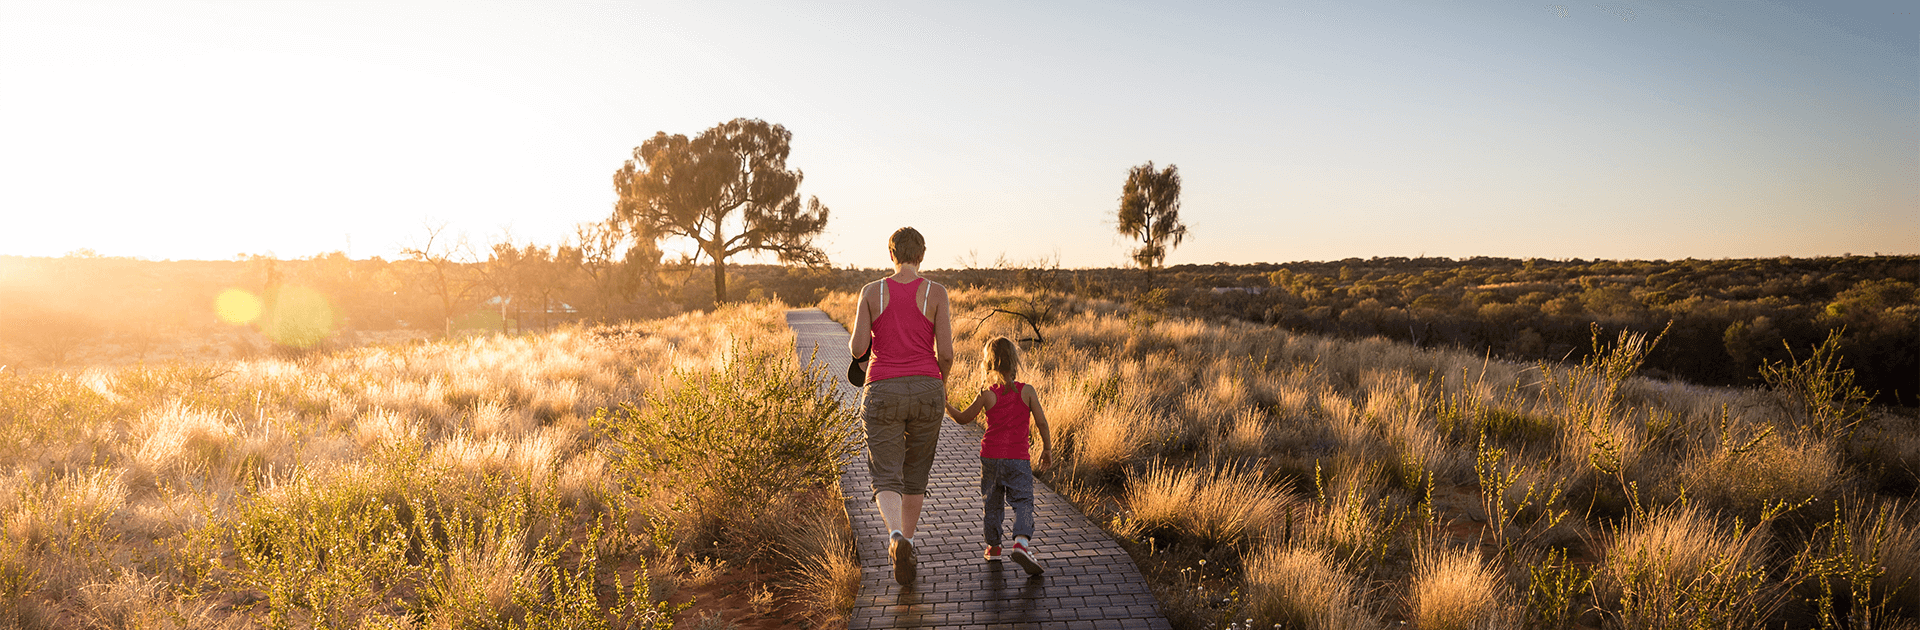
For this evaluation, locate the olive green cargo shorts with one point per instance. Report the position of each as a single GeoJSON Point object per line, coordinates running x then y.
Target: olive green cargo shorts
{"type": "Point", "coordinates": [903, 426]}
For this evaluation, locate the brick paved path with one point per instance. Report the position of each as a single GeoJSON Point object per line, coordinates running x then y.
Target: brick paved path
{"type": "Point", "coordinates": [1089, 583]}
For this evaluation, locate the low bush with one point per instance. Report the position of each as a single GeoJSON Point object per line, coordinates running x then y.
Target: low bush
{"type": "Point", "coordinates": [733, 440]}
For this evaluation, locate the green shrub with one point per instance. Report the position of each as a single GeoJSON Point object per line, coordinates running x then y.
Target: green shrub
{"type": "Point", "coordinates": [1682, 568]}
{"type": "Point", "coordinates": [1554, 586]}
{"type": "Point", "coordinates": [739, 436]}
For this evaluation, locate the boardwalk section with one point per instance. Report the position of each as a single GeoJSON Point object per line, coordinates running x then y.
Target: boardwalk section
{"type": "Point", "coordinates": [1090, 582]}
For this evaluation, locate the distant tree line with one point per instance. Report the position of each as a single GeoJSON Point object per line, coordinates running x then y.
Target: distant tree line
{"type": "Point", "coordinates": [67, 311]}
{"type": "Point", "coordinates": [1729, 316]}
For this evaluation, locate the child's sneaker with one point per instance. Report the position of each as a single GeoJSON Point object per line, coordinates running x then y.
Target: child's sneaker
{"type": "Point", "coordinates": [993, 553]}
{"type": "Point", "coordinates": [900, 550]}
{"type": "Point", "coordinates": [1022, 552]}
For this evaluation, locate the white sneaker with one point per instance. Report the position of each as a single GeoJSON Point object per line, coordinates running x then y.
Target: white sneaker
{"type": "Point", "coordinates": [1022, 552]}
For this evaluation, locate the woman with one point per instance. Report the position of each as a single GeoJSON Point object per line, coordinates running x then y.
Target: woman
{"type": "Point", "coordinates": [904, 321]}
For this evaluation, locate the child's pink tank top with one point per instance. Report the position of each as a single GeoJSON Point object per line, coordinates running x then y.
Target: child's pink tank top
{"type": "Point", "coordinates": [1007, 419]}
{"type": "Point", "coordinates": [902, 335]}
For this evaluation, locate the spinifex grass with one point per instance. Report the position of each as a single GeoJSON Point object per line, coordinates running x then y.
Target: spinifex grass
{"type": "Point", "coordinates": [456, 483]}
{"type": "Point", "coordinates": [1373, 445]}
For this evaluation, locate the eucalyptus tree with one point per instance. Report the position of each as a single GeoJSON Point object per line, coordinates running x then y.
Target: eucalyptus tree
{"type": "Point", "coordinates": [727, 190]}
{"type": "Point", "coordinates": [1150, 213]}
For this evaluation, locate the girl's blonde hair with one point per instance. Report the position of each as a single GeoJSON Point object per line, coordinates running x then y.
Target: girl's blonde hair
{"type": "Point", "coordinates": [1002, 359]}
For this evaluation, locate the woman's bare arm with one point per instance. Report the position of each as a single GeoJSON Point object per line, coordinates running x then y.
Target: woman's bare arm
{"type": "Point", "coordinates": [861, 340]}
{"type": "Point", "coordinates": [942, 329]}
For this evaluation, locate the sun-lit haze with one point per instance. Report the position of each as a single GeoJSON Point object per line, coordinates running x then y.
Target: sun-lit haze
{"type": "Point", "coordinates": [1303, 130]}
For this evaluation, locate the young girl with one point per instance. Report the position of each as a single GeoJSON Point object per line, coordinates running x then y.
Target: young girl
{"type": "Point", "coordinates": [1005, 475]}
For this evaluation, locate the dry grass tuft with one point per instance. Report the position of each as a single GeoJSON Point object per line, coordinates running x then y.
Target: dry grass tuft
{"type": "Point", "coordinates": [1247, 436]}
{"type": "Point", "coordinates": [1680, 567]}
{"type": "Point", "coordinates": [1773, 469]}
{"type": "Point", "coordinates": [1109, 439]}
{"type": "Point", "coordinates": [826, 574]}
{"type": "Point", "coordinates": [177, 435]}
{"type": "Point", "coordinates": [1454, 589]}
{"type": "Point", "coordinates": [1294, 587]}
{"type": "Point", "coordinates": [1216, 507]}
{"type": "Point", "coordinates": [1900, 559]}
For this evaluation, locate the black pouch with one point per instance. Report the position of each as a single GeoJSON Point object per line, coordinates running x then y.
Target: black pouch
{"type": "Point", "coordinates": [857, 370]}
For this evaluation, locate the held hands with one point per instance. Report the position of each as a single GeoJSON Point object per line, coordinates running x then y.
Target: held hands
{"type": "Point", "coordinates": [954, 412]}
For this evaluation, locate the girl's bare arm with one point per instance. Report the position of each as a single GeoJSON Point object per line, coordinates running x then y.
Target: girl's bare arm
{"type": "Point", "coordinates": [1032, 398]}
{"type": "Point", "coordinates": [980, 403]}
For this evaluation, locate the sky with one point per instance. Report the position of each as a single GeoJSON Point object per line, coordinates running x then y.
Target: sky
{"type": "Point", "coordinates": [1001, 130]}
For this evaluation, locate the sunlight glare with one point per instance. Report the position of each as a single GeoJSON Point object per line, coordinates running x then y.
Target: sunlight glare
{"type": "Point", "coordinates": [300, 317]}
{"type": "Point", "coordinates": [237, 306]}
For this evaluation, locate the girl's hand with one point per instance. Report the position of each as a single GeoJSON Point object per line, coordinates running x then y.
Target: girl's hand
{"type": "Point", "coordinates": [973, 410]}
{"type": "Point", "coordinates": [1046, 460]}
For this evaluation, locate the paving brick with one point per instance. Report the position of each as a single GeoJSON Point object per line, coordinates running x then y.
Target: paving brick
{"type": "Point", "coordinates": [1090, 581]}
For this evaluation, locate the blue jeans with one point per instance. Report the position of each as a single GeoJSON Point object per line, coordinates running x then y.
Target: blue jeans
{"type": "Point", "coordinates": [1004, 482]}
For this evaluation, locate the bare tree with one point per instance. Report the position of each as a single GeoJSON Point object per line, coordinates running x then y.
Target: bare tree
{"type": "Point", "coordinates": [1037, 304]}
{"type": "Point", "coordinates": [51, 336]}
{"type": "Point", "coordinates": [445, 276]}
{"type": "Point", "coordinates": [542, 276]}
{"type": "Point", "coordinates": [501, 273]}
{"type": "Point", "coordinates": [599, 253]}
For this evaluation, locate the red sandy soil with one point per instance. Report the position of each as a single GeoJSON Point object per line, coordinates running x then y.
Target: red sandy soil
{"type": "Point", "coordinates": [728, 596]}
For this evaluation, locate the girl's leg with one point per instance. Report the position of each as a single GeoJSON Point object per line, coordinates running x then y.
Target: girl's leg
{"type": "Point", "coordinates": [1019, 492]}
{"type": "Point", "coordinates": [1019, 482]}
{"type": "Point", "coordinates": [994, 492]}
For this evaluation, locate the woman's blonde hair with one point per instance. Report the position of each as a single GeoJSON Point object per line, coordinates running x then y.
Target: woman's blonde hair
{"type": "Point", "coordinates": [1002, 358]}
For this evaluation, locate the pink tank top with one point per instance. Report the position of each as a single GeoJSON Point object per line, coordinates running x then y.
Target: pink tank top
{"type": "Point", "coordinates": [1007, 419]}
{"type": "Point", "coordinates": [902, 335]}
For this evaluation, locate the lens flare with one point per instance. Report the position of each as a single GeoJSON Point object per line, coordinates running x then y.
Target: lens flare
{"type": "Point", "coordinates": [237, 306]}
{"type": "Point", "coordinates": [300, 317]}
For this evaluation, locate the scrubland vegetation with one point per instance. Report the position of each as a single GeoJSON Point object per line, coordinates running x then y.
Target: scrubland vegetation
{"type": "Point", "coordinates": [1445, 443]}
{"type": "Point", "coordinates": [1266, 478]}
{"type": "Point", "coordinates": [584, 477]}
{"type": "Point", "coordinates": [1723, 318]}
